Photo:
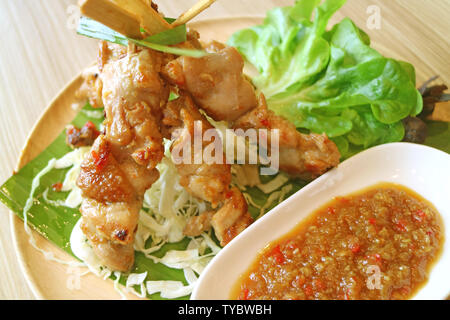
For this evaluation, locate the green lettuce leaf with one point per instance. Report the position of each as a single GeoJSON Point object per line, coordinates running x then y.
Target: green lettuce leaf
{"type": "Point", "coordinates": [329, 82]}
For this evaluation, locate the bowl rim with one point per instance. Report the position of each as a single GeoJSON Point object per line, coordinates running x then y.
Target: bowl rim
{"type": "Point", "coordinates": [229, 252]}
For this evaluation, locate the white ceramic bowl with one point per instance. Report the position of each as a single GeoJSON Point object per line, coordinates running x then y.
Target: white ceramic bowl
{"type": "Point", "coordinates": [422, 169]}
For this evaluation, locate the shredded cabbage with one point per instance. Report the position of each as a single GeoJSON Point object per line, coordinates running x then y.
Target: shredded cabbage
{"type": "Point", "coordinates": [73, 161]}
{"type": "Point", "coordinates": [81, 248]}
{"type": "Point", "coordinates": [166, 208]}
{"type": "Point", "coordinates": [95, 114]}
{"type": "Point", "coordinates": [275, 197]}
{"type": "Point", "coordinates": [169, 289]}
{"type": "Point", "coordinates": [273, 184]}
{"type": "Point", "coordinates": [137, 279]}
{"type": "Point", "coordinates": [34, 185]}
{"type": "Point", "coordinates": [245, 176]}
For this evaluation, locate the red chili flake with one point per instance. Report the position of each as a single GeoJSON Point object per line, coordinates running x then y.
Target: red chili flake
{"type": "Point", "coordinates": [308, 290]}
{"type": "Point", "coordinates": [143, 155]}
{"type": "Point", "coordinates": [100, 160]}
{"type": "Point", "coordinates": [70, 130]}
{"type": "Point", "coordinates": [419, 216]}
{"type": "Point", "coordinates": [355, 247]}
{"type": "Point", "coordinates": [265, 123]}
{"type": "Point", "coordinates": [90, 125]}
{"type": "Point", "coordinates": [347, 294]}
{"type": "Point", "coordinates": [376, 257]}
{"type": "Point", "coordinates": [401, 225]}
{"type": "Point", "coordinates": [372, 221]}
{"type": "Point", "coordinates": [95, 155]}
{"type": "Point", "coordinates": [245, 294]}
{"type": "Point", "coordinates": [292, 245]}
{"type": "Point", "coordinates": [229, 194]}
{"type": "Point", "coordinates": [343, 199]}
{"type": "Point", "coordinates": [405, 290]}
{"type": "Point", "coordinates": [311, 166]}
{"type": "Point", "coordinates": [430, 232]}
{"type": "Point", "coordinates": [92, 133]}
{"type": "Point", "coordinates": [277, 254]}
{"type": "Point", "coordinates": [318, 284]}
{"type": "Point", "coordinates": [301, 281]}
{"type": "Point", "coordinates": [331, 210]}
{"type": "Point", "coordinates": [57, 187]}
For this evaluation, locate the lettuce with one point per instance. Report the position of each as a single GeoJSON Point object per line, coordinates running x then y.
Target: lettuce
{"type": "Point", "coordinates": [332, 81]}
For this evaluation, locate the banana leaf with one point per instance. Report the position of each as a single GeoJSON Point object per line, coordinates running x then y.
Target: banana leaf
{"type": "Point", "coordinates": [159, 42]}
{"type": "Point", "coordinates": [55, 223]}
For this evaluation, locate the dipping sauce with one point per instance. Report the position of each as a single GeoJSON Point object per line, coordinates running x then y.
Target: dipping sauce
{"type": "Point", "coordinates": [379, 243]}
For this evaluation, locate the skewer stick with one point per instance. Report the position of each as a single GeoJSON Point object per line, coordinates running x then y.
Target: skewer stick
{"type": "Point", "coordinates": [125, 16]}
{"type": "Point", "coordinates": [112, 16]}
{"type": "Point", "coordinates": [150, 20]}
{"type": "Point", "coordinates": [193, 12]}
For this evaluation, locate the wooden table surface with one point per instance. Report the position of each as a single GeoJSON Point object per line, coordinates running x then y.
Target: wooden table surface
{"type": "Point", "coordinates": [41, 52]}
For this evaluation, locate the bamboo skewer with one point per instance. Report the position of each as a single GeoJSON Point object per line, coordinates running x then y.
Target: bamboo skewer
{"type": "Point", "coordinates": [150, 20]}
{"type": "Point", "coordinates": [112, 16]}
{"type": "Point", "coordinates": [128, 16]}
{"type": "Point", "coordinates": [125, 16]}
{"type": "Point", "coordinates": [193, 12]}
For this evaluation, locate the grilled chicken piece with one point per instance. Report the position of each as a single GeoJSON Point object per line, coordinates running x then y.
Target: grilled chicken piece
{"type": "Point", "coordinates": [80, 137]}
{"type": "Point", "coordinates": [198, 224]}
{"type": "Point", "coordinates": [93, 85]}
{"type": "Point", "coordinates": [110, 208]}
{"type": "Point", "coordinates": [100, 176]}
{"type": "Point", "coordinates": [232, 218]}
{"type": "Point", "coordinates": [218, 86]}
{"type": "Point", "coordinates": [303, 155]}
{"type": "Point", "coordinates": [209, 181]}
{"type": "Point", "coordinates": [109, 52]}
{"type": "Point", "coordinates": [133, 94]}
{"type": "Point", "coordinates": [121, 164]}
{"type": "Point", "coordinates": [216, 83]}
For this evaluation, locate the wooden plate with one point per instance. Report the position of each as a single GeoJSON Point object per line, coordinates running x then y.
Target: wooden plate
{"type": "Point", "coordinates": [52, 280]}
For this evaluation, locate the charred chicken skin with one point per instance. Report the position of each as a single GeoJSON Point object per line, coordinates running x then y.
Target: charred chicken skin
{"type": "Point", "coordinates": [121, 164]}
{"type": "Point", "coordinates": [208, 180]}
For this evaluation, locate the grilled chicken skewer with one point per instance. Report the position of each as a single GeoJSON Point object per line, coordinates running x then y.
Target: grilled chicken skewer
{"type": "Point", "coordinates": [121, 164]}
{"type": "Point", "coordinates": [217, 84]}
{"type": "Point", "coordinates": [208, 180]}
{"type": "Point", "coordinates": [302, 155]}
